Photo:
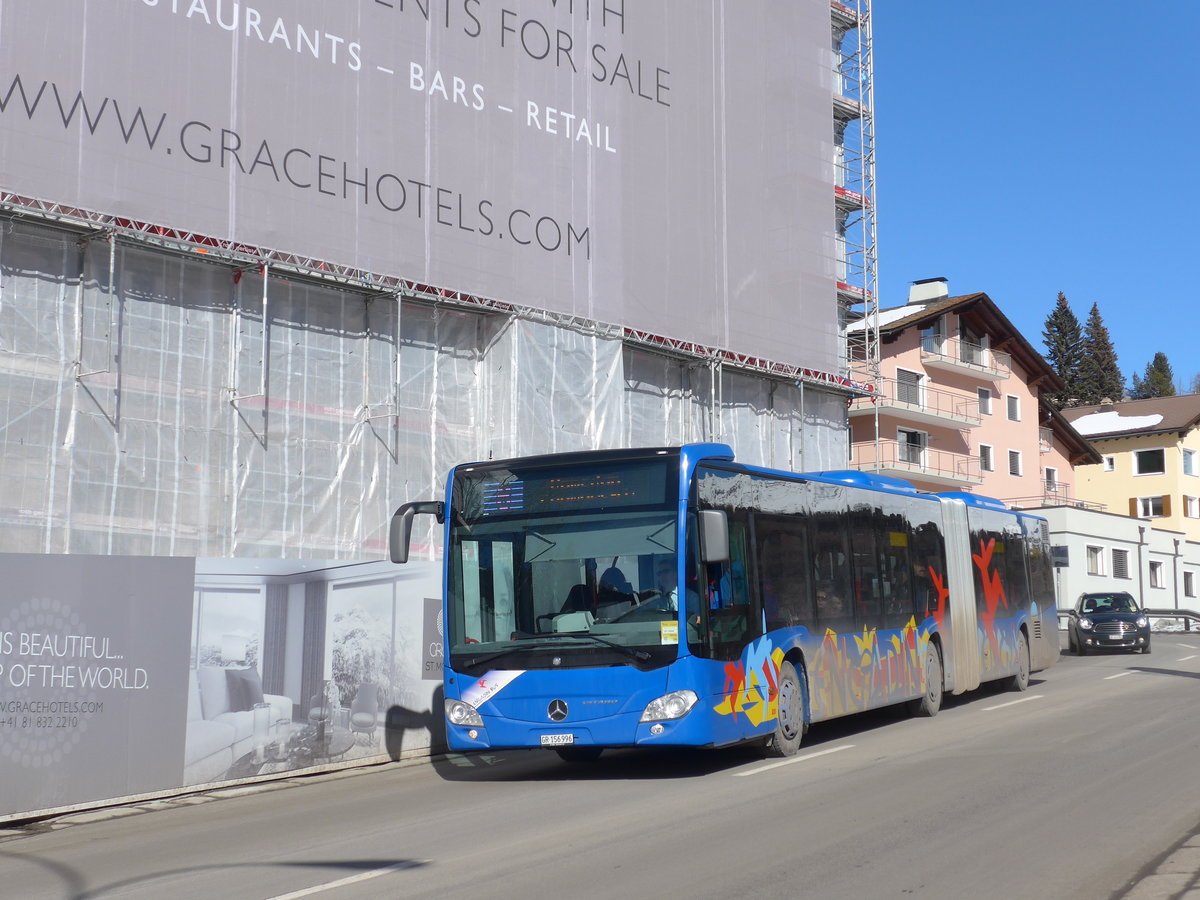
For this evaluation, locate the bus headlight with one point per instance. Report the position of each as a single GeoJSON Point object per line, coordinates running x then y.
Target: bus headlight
{"type": "Point", "coordinates": [459, 713]}
{"type": "Point", "coordinates": [674, 705]}
{"type": "Point", "coordinates": [1085, 623]}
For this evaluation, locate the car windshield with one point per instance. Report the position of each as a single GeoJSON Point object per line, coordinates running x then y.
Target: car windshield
{"type": "Point", "coordinates": [1108, 603]}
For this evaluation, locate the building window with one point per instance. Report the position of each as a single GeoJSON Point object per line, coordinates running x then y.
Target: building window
{"type": "Point", "coordinates": [1120, 564]}
{"type": "Point", "coordinates": [1156, 574]}
{"type": "Point", "coordinates": [1191, 507]}
{"type": "Point", "coordinates": [1014, 462]}
{"type": "Point", "coordinates": [985, 401]}
{"type": "Point", "coordinates": [1014, 408]}
{"type": "Point", "coordinates": [1189, 463]}
{"type": "Point", "coordinates": [908, 387]}
{"type": "Point", "coordinates": [912, 446]}
{"type": "Point", "coordinates": [1051, 478]}
{"type": "Point", "coordinates": [986, 462]}
{"type": "Point", "coordinates": [1110, 464]}
{"type": "Point", "coordinates": [1095, 560]}
{"type": "Point", "coordinates": [1150, 462]}
{"type": "Point", "coordinates": [1189, 584]}
{"type": "Point", "coordinates": [1151, 507]}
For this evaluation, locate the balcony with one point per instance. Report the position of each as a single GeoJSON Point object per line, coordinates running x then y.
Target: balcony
{"type": "Point", "coordinates": [1056, 494]}
{"type": "Point", "coordinates": [939, 467]}
{"type": "Point", "coordinates": [919, 403]}
{"type": "Point", "coordinates": [955, 355]}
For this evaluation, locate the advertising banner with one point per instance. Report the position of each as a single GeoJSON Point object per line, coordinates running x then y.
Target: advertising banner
{"type": "Point", "coordinates": [662, 165]}
{"type": "Point", "coordinates": [126, 676]}
{"type": "Point", "coordinates": [92, 677]}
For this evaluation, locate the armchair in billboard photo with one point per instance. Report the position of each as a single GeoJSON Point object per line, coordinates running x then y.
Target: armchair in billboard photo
{"type": "Point", "coordinates": [220, 724]}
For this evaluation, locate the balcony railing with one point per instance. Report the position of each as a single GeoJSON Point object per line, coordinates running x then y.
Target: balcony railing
{"type": "Point", "coordinates": [919, 403]}
{"type": "Point", "coordinates": [1057, 494]}
{"type": "Point", "coordinates": [958, 355]}
{"type": "Point", "coordinates": [916, 463]}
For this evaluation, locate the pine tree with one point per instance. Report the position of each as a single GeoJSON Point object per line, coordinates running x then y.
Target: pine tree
{"type": "Point", "coordinates": [1100, 376]}
{"type": "Point", "coordinates": [1159, 380]}
{"type": "Point", "coordinates": [1063, 338]}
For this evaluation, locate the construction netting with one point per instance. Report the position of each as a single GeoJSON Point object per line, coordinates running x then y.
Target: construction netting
{"type": "Point", "coordinates": [161, 403]}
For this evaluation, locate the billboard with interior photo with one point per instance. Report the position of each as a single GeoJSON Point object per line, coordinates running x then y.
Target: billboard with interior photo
{"type": "Point", "coordinates": [665, 166]}
{"type": "Point", "coordinates": [127, 676]}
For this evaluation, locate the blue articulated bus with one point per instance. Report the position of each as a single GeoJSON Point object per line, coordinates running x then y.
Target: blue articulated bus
{"type": "Point", "coordinates": [673, 597]}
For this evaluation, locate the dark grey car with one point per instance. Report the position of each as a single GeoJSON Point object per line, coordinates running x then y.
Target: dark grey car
{"type": "Point", "coordinates": [1108, 620]}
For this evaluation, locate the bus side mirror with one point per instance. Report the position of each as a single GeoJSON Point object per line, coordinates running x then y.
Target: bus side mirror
{"type": "Point", "coordinates": [401, 528]}
{"type": "Point", "coordinates": [714, 536]}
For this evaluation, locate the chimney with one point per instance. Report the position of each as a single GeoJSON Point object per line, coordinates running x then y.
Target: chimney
{"type": "Point", "coordinates": [928, 289]}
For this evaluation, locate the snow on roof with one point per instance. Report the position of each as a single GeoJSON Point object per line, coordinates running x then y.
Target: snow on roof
{"type": "Point", "coordinates": [1112, 421]}
{"type": "Point", "coordinates": [888, 316]}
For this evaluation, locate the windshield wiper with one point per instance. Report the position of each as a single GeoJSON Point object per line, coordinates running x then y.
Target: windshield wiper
{"type": "Point", "coordinates": [629, 651]}
{"type": "Point", "coordinates": [534, 642]}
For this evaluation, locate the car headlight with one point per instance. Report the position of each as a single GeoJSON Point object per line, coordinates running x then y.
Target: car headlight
{"type": "Point", "coordinates": [1085, 623]}
{"type": "Point", "coordinates": [1141, 621]}
{"type": "Point", "coordinates": [459, 713]}
{"type": "Point", "coordinates": [674, 705]}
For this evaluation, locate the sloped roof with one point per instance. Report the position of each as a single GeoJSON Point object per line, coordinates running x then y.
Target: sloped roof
{"type": "Point", "coordinates": [982, 313]}
{"type": "Point", "coordinates": [1129, 418]}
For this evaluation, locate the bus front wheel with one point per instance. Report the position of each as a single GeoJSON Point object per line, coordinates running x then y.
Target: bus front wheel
{"type": "Point", "coordinates": [789, 726]}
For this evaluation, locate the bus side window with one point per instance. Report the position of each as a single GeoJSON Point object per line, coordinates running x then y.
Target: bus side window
{"type": "Point", "coordinates": [781, 543]}
{"type": "Point", "coordinates": [831, 572]}
{"type": "Point", "coordinates": [727, 621]}
{"type": "Point", "coordinates": [928, 563]}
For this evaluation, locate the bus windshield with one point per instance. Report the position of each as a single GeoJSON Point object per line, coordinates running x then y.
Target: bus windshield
{"type": "Point", "coordinates": [563, 567]}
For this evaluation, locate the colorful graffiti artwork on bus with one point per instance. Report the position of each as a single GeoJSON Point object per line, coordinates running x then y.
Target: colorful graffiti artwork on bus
{"type": "Point", "coordinates": [752, 683]}
{"type": "Point", "coordinates": [854, 672]}
{"type": "Point", "coordinates": [997, 644]}
{"type": "Point", "coordinates": [848, 672]}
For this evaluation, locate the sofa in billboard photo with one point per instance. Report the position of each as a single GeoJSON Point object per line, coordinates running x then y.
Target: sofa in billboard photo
{"type": "Point", "coordinates": [221, 719]}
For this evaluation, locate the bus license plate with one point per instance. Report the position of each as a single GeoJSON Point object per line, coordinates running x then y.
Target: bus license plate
{"type": "Point", "coordinates": [557, 740]}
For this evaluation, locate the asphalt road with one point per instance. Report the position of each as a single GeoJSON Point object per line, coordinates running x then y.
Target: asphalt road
{"type": "Point", "coordinates": [1068, 790]}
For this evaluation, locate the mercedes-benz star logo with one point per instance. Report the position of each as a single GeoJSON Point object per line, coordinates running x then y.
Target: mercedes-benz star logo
{"type": "Point", "coordinates": [557, 710]}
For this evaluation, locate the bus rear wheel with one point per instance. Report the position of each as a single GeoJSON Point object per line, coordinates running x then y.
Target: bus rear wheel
{"type": "Point", "coordinates": [1020, 681]}
{"type": "Point", "coordinates": [930, 702]}
{"type": "Point", "coordinates": [789, 726]}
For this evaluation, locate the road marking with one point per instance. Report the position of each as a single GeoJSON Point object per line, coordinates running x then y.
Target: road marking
{"type": "Point", "coordinates": [1118, 675]}
{"type": "Point", "coordinates": [1186, 658]}
{"type": "Point", "coordinates": [794, 759]}
{"type": "Point", "coordinates": [1014, 702]}
{"type": "Point", "coordinates": [1189, 647]}
{"type": "Point", "coordinates": [352, 879]}
{"type": "Point", "coordinates": [385, 71]}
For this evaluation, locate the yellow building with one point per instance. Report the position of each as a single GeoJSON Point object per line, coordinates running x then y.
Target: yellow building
{"type": "Point", "coordinates": [1150, 460]}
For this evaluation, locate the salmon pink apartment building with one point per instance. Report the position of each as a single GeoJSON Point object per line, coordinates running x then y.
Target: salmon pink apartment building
{"type": "Point", "coordinates": [958, 404]}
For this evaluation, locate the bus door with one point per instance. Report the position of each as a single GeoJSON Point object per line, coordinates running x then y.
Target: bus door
{"type": "Point", "coordinates": [728, 617]}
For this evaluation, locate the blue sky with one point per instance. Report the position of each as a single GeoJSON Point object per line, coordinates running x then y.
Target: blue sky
{"type": "Point", "coordinates": [1026, 148]}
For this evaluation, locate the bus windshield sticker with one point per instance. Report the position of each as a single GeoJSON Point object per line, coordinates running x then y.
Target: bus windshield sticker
{"type": "Point", "coordinates": [490, 685]}
{"type": "Point", "coordinates": [668, 632]}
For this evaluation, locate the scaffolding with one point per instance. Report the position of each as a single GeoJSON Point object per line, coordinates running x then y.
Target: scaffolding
{"type": "Point", "coordinates": [854, 189]}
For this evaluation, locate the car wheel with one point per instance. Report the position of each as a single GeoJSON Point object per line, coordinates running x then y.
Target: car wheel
{"type": "Point", "coordinates": [930, 702]}
{"type": "Point", "coordinates": [1020, 681]}
{"type": "Point", "coordinates": [1146, 649]}
{"type": "Point", "coordinates": [789, 724]}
